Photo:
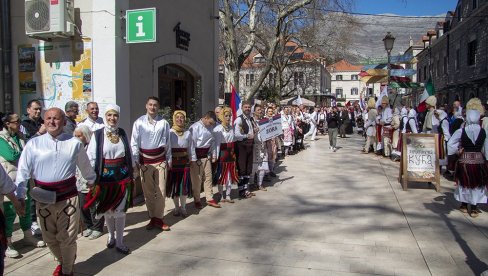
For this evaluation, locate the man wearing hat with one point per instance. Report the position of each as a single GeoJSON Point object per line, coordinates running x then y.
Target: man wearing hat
{"type": "Point", "coordinates": [370, 125]}
{"type": "Point", "coordinates": [385, 122]}
{"type": "Point", "coordinates": [431, 122]}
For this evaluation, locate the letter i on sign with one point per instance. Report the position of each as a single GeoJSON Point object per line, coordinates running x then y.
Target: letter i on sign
{"type": "Point", "coordinates": [140, 27]}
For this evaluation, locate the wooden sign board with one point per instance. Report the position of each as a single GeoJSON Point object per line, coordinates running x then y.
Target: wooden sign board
{"type": "Point", "coordinates": [420, 159]}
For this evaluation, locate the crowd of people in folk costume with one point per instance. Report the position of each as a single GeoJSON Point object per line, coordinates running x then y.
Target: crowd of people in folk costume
{"type": "Point", "coordinates": [463, 146]}
{"type": "Point", "coordinates": [58, 174]}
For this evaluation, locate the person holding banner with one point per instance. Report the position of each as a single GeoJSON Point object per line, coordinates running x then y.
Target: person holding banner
{"type": "Point", "coordinates": [288, 130]}
{"type": "Point", "coordinates": [226, 171]}
{"type": "Point", "coordinates": [244, 130]}
{"type": "Point", "coordinates": [272, 146]}
{"type": "Point", "coordinates": [260, 161]}
{"type": "Point", "coordinates": [471, 174]}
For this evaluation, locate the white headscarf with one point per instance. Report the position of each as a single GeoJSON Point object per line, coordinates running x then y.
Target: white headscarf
{"type": "Point", "coordinates": [442, 114]}
{"type": "Point", "coordinates": [473, 127]}
{"type": "Point", "coordinates": [111, 107]}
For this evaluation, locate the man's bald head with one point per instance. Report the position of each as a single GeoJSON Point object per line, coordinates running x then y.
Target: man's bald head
{"type": "Point", "coordinates": [54, 120]}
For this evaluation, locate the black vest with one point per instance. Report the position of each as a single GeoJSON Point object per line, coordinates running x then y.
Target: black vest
{"type": "Point", "coordinates": [100, 137]}
{"type": "Point", "coordinates": [245, 126]}
{"type": "Point", "coordinates": [468, 145]}
{"type": "Point", "coordinates": [439, 129]}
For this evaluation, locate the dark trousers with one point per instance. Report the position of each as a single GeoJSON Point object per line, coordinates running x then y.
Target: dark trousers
{"type": "Point", "coordinates": [88, 216]}
{"type": "Point", "coordinates": [244, 154]}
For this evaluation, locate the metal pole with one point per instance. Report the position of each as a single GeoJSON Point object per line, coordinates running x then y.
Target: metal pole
{"type": "Point", "coordinates": [389, 55]}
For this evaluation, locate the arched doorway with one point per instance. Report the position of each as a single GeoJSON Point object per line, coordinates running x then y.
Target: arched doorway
{"type": "Point", "coordinates": [176, 87]}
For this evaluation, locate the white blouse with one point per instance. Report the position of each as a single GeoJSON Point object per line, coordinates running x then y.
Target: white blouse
{"type": "Point", "coordinates": [110, 150]}
{"type": "Point", "coordinates": [183, 141]}
{"type": "Point", "coordinates": [222, 136]}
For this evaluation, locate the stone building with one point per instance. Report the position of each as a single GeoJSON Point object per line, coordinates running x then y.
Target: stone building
{"type": "Point", "coordinates": [455, 54]}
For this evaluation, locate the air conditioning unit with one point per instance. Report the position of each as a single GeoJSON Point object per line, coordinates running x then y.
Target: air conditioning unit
{"type": "Point", "coordinates": [49, 19]}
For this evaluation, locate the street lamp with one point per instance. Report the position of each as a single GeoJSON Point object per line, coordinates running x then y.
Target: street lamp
{"type": "Point", "coordinates": [389, 40]}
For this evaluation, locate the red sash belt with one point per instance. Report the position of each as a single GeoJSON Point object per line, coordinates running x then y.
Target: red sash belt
{"type": "Point", "coordinates": [152, 156]}
{"type": "Point", "coordinates": [64, 189]}
{"type": "Point", "coordinates": [202, 152]}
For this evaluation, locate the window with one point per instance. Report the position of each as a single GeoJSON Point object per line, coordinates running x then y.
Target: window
{"type": "Point", "coordinates": [475, 4]}
{"type": "Point", "coordinates": [339, 77]}
{"type": "Point", "coordinates": [298, 78]}
{"type": "Point", "coordinates": [354, 77]}
{"type": "Point", "coordinates": [338, 92]}
{"type": "Point", "coordinates": [458, 13]}
{"type": "Point", "coordinates": [271, 79]}
{"type": "Point", "coordinates": [457, 60]}
{"type": "Point", "coordinates": [425, 72]}
{"type": "Point", "coordinates": [249, 79]}
{"type": "Point", "coordinates": [354, 91]}
{"type": "Point", "coordinates": [472, 52]}
{"type": "Point", "coordinates": [419, 77]}
{"type": "Point", "coordinates": [259, 59]}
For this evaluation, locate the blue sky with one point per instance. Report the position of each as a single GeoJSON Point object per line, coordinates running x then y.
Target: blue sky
{"type": "Point", "coordinates": [405, 7]}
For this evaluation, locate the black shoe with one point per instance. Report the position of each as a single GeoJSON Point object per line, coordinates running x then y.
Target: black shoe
{"type": "Point", "coordinates": [124, 250]}
{"type": "Point", "coordinates": [111, 243]}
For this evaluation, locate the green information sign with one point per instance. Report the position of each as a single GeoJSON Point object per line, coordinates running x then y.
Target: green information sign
{"type": "Point", "coordinates": [141, 25]}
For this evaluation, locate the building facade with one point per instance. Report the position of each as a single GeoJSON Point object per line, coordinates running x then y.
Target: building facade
{"type": "Point", "coordinates": [346, 85]}
{"type": "Point", "coordinates": [180, 67]}
{"type": "Point", "coordinates": [456, 54]}
{"type": "Point", "coordinates": [305, 74]}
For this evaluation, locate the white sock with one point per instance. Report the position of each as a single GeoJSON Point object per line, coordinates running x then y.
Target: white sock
{"type": "Point", "coordinates": [228, 190]}
{"type": "Point", "coordinates": [183, 202]}
{"type": "Point", "coordinates": [110, 221]}
{"type": "Point", "coordinates": [176, 200]}
{"type": "Point", "coordinates": [260, 178]}
{"type": "Point", "coordinates": [119, 230]}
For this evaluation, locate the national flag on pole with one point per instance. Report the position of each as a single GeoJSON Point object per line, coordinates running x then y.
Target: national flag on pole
{"type": "Point", "coordinates": [384, 92]}
{"type": "Point", "coordinates": [235, 103]}
{"type": "Point", "coordinates": [428, 91]}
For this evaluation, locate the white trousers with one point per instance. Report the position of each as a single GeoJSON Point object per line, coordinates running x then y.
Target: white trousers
{"type": "Point", "coordinates": [312, 131]}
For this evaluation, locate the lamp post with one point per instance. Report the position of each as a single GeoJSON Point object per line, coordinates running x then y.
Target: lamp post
{"type": "Point", "coordinates": [389, 40]}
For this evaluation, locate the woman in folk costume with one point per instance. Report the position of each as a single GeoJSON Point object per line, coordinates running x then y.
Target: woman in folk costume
{"type": "Point", "coordinates": [370, 125]}
{"type": "Point", "coordinates": [379, 131]}
{"type": "Point", "coordinates": [178, 186]}
{"type": "Point", "coordinates": [288, 129]}
{"type": "Point", "coordinates": [431, 123]}
{"type": "Point", "coordinates": [226, 172]}
{"type": "Point", "coordinates": [397, 135]}
{"type": "Point", "coordinates": [11, 144]}
{"type": "Point", "coordinates": [444, 135]}
{"type": "Point", "coordinates": [260, 163]}
{"type": "Point", "coordinates": [408, 124]}
{"type": "Point", "coordinates": [111, 158]}
{"type": "Point", "coordinates": [471, 172]}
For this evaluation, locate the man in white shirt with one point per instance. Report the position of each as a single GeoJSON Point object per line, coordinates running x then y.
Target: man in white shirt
{"type": "Point", "coordinates": [93, 122]}
{"type": "Point", "coordinates": [202, 155]}
{"type": "Point", "coordinates": [244, 130]}
{"type": "Point", "coordinates": [314, 121]}
{"type": "Point", "coordinates": [151, 151]}
{"type": "Point", "coordinates": [51, 160]}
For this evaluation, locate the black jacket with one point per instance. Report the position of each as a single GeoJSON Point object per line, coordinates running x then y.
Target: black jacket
{"type": "Point", "coordinates": [333, 120]}
{"type": "Point", "coordinates": [31, 126]}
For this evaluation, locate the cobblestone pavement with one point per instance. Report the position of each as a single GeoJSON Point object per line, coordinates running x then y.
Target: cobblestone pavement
{"type": "Point", "coordinates": [327, 213]}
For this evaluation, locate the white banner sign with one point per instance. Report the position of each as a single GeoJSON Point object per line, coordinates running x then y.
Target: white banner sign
{"type": "Point", "coordinates": [270, 128]}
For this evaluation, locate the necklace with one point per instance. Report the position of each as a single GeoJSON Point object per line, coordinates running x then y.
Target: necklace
{"type": "Point", "coordinates": [113, 137]}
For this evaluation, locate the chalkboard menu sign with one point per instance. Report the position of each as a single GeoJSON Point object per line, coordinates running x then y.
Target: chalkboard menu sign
{"type": "Point", "coordinates": [420, 159]}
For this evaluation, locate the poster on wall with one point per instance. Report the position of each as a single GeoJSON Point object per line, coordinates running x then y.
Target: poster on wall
{"type": "Point", "coordinates": [56, 72]}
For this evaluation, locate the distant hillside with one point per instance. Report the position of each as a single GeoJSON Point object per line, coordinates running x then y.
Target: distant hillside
{"type": "Point", "coordinates": [368, 38]}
